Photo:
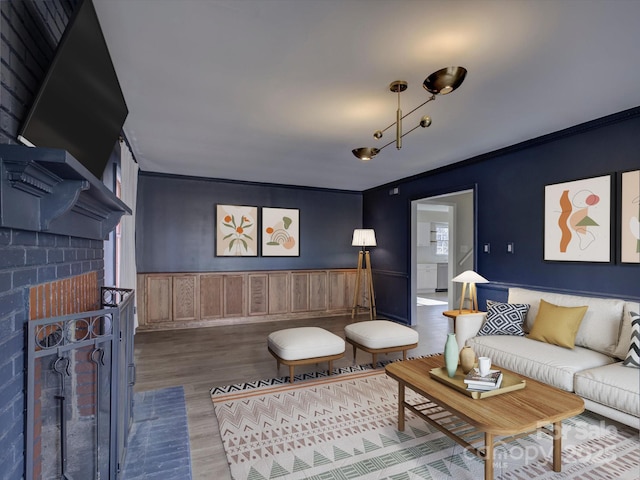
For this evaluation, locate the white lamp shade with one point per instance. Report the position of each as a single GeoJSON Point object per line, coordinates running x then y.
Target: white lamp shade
{"type": "Point", "coordinates": [469, 276]}
{"type": "Point", "coordinates": [364, 237]}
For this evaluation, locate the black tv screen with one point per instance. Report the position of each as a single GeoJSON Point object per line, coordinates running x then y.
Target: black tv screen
{"type": "Point", "coordinates": [80, 107]}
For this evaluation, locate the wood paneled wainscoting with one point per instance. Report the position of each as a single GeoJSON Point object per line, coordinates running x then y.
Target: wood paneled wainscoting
{"type": "Point", "coordinates": [184, 300]}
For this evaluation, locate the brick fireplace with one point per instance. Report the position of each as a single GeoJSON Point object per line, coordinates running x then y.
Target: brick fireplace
{"type": "Point", "coordinates": [51, 249]}
{"type": "Point", "coordinates": [40, 274]}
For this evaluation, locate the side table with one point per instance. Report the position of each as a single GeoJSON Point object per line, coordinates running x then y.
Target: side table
{"type": "Point", "coordinates": [453, 314]}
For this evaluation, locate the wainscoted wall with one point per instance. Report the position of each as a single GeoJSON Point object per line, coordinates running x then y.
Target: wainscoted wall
{"type": "Point", "coordinates": [509, 185]}
{"type": "Point", "coordinates": [169, 301]}
{"type": "Point", "coordinates": [176, 218]}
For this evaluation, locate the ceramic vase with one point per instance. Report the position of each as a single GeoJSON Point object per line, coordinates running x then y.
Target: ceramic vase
{"type": "Point", "coordinates": [451, 355]}
{"type": "Point", "coordinates": [467, 359]}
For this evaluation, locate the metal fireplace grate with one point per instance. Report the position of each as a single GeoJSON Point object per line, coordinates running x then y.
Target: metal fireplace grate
{"type": "Point", "coordinates": [80, 377]}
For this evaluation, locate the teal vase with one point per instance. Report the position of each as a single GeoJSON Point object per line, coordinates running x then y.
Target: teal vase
{"type": "Point", "coordinates": [451, 355]}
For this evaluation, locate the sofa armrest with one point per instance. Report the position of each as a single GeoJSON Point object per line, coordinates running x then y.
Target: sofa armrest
{"type": "Point", "coordinates": [468, 326]}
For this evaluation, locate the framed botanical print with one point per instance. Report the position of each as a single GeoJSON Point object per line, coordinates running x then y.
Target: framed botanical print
{"type": "Point", "coordinates": [280, 232]}
{"type": "Point", "coordinates": [630, 218]}
{"type": "Point", "coordinates": [577, 220]}
{"type": "Point", "coordinates": [236, 231]}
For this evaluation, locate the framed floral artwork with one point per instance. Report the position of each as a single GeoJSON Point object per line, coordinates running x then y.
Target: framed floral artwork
{"type": "Point", "coordinates": [236, 231]}
{"type": "Point", "coordinates": [280, 232]}
{"type": "Point", "coordinates": [630, 218]}
{"type": "Point", "coordinates": [577, 220]}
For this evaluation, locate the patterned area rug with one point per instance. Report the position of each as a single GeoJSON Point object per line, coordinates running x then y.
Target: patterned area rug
{"type": "Point", "coordinates": [344, 427]}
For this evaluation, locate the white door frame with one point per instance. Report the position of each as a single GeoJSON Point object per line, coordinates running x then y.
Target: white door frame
{"type": "Point", "coordinates": [453, 248]}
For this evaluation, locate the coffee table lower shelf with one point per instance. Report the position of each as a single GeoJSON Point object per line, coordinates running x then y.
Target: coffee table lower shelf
{"type": "Point", "coordinates": [481, 444]}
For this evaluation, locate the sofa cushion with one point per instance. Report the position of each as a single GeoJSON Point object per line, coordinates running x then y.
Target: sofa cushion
{"type": "Point", "coordinates": [625, 330]}
{"type": "Point", "coordinates": [633, 357]}
{"type": "Point", "coordinates": [557, 325]}
{"type": "Point", "coordinates": [600, 327]}
{"type": "Point", "coordinates": [612, 385]}
{"type": "Point", "coordinates": [504, 318]}
{"type": "Point", "coordinates": [544, 362]}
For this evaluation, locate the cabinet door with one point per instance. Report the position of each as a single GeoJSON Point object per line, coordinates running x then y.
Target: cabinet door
{"type": "Point", "coordinates": [159, 299]}
{"type": "Point", "coordinates": [185, 298]}
{"type": "Point", "coordinates": [424, 234]}
{"type": "Point", "coordinates": [278, 293]}
{"type": "Point", "coordinates": [299, 292]}
{"type": "Point", "coordinates": [318, 291]}
{"type": "Point", "coordinates": [211, 288]}
{"type": "Point", "coordinates": [431, 275]}
{"type": "Point", "coordinates": [258, 291]}
{"type": "Point", "coordinates": [422, 278]}
{"type": "Point", "coordinates": [234, 292]}
{"type": "Point", "coordinates": [342, 288]}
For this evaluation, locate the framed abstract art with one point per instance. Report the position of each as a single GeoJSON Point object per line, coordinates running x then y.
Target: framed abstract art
{"type": "Point", "coordinates": [236, 231]}
{"type": "Point", "coordinates": [280, 232]}
{"type": "Point", "coordinates": [577, 220]}
{"type": "Point", "coordinates": [630, 218]}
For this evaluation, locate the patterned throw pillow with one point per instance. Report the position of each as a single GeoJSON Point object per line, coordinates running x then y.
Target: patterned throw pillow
{"type": "Point", "coordinates": [633, 357]}
{"type": "Point", "coordinates": [504, 318]}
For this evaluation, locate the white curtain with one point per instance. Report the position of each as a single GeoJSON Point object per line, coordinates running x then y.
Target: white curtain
{"type": "Point", "coordinates": [127, 258]}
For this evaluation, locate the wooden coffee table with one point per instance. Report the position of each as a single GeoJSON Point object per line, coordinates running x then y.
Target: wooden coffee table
{"type": "Point", "coordinates": [501, 418]}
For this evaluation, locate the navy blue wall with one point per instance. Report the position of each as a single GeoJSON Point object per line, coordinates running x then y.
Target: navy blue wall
{"type": "Point", "coordinates": [176, 217]}
{"type": "Point", "coordinates": [509, 186]}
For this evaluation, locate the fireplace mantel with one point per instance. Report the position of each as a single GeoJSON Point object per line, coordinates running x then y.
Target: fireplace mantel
{"type": "Point", "coordinates": [48, 190]}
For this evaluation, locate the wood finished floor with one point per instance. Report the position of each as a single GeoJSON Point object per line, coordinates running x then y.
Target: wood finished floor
{"type": "Point", "coordinates": [199, 359]}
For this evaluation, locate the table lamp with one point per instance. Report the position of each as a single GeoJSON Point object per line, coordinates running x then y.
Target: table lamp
{"type": "Point", "coordinates": [469, 277]}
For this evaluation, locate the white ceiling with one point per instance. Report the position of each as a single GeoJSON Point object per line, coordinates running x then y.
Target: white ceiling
{"type": "Point", "coordinates": [281, 91]}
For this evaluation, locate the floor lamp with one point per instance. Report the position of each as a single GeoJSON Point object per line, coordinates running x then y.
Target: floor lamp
{"type": "Point", "coordinates": [364, 237]}
{"type": "Point", "coordinates": [471, 278]}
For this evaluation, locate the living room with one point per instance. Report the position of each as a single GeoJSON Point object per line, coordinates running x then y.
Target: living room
{"type": "Point", "coordinates": [176, 218]}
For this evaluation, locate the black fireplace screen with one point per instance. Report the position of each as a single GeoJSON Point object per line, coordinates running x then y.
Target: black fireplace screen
{"type": "Point", "coordinates": [79, 391]}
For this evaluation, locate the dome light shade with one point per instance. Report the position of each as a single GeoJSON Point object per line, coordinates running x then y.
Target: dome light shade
{"type": "Point", "coordinates": [445, 81]}
{"type": "Point", "coordinates": [365, 153]}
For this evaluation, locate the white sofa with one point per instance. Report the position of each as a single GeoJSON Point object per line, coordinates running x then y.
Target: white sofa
{"type": "Point", "coordinates": [592, 369]}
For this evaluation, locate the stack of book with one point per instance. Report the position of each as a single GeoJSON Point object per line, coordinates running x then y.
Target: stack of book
{"type": "Point", "coordinates": [477, 383]}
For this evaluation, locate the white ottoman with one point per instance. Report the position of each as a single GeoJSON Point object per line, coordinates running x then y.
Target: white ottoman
{"type": "Point", "coordinates": [303, 346]}
{"type": "Point", "coordinates": [381, 336]}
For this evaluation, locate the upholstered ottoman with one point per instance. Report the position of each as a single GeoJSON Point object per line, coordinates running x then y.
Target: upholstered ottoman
{"type": "Point", "coordinates": [303, 346]}
{"type": "Point", "coordinates": [380, 336]}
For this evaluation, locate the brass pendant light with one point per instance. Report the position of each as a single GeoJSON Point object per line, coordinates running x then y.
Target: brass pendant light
{"type": "Point", "coordinates": [442, 82]}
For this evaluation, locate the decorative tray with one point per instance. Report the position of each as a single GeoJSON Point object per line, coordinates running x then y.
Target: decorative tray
{"type": "Point", "coordinates": [509, 383]}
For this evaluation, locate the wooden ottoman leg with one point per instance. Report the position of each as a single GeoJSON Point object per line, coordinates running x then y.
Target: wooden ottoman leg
{"type": "Point", "coordinates": [375, 358]}
{"type": "Point", "coordinates": [330, 366]}
{"type": "Point", "coordinates": [354, 353]}
{"type": "Point", "coordinates": [291, 368]}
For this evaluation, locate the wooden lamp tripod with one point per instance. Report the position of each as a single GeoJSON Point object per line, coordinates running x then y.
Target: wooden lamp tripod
{"type": "Point", "coordinates": [364, 237]}
{"type": "Point", "coordinates": [469, 277]}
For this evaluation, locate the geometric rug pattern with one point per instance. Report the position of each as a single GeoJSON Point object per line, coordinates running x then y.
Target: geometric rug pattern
{"type": "Point", "coordinates": [345, 427]}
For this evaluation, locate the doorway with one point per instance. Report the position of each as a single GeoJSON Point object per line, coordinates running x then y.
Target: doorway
{"type": "Point", "coordinates": [442, 240]}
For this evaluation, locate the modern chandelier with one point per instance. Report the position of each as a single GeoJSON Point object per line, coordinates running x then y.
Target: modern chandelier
{"type": "Point", "coordinates": [442, 82]}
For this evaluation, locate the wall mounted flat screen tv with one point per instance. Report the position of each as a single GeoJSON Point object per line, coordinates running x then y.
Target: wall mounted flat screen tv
{"type": "Point", "coordinates": [80, 106]}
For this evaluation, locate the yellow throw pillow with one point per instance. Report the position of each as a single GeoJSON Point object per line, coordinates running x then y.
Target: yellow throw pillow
{"type": "Point", "coordinates": [557, 325]}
